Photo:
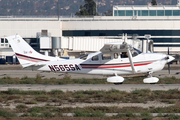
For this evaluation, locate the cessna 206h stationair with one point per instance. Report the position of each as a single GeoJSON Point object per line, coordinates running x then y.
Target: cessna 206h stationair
{"type": "Point", "coordinates": [115, 59]}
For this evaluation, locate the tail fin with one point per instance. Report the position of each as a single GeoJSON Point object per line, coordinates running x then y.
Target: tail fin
{"type": "Point", "coordinates": [26, 54]}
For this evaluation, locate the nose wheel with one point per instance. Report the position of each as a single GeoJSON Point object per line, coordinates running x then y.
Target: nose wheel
{"type": "Point", "coordinates": [150, 79]}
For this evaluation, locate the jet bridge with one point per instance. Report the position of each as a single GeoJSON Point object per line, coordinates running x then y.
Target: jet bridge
{"type": "Point", "coordinates": [75, 46]}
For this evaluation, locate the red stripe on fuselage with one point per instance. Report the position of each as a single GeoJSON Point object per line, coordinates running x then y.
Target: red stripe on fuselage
{"type": "Point", "coordinates": [116, 66]}
{"type": "Point", "coordinates": [118, 63]}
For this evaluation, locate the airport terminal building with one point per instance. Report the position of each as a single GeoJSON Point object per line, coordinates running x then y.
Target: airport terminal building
{"type": "Point", "coordinates": [161, 22]}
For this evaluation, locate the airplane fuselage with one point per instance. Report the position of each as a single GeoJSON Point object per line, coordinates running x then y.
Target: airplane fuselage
{"type": "Point", "coordinates": [143, 63]}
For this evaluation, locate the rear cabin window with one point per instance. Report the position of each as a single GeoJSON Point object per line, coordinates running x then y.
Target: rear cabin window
{"type": "Point", "coordinates": [116, 55]}
{"type": "Point", "coordinates": [106, 56]}
{"type": "Point", "coordinates": [95, 58]}
{"type": "Point", "coordinates": [84, 57]}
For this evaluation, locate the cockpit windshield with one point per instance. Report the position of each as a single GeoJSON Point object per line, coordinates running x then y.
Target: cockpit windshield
{"type": "Point", "coordinates": [135, 52]}
{"type": "Point", "coordinates": [84, 57]}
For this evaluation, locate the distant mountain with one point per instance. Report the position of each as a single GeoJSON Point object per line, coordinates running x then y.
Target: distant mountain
{"type": "Point", "coordinates": [66, 7]}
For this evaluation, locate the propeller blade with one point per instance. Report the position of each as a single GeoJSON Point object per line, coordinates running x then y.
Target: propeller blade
{"type": "Point", "coordinates": [168, 50]}
{"type": "Point", "coordinates": [169, 68]}
{"type": "Point", "coordinates": [168, 63]}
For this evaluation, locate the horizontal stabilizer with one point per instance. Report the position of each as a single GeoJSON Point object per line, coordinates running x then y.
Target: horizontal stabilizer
{"type": "Point", "coordinates": [33, 64]}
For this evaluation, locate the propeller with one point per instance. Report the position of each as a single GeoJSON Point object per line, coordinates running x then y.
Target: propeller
{"type": "Point", "coordinates": [168, 63]}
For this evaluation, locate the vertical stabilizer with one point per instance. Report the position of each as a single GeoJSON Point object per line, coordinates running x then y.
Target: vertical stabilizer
{"type": "Point", "coordinates": [25, 53]}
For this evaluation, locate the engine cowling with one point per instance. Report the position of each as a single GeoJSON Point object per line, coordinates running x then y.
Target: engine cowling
{"type": "Point", "coordinates": [151, 80]}
{"type": "Point", "coordinates": [115, 79]}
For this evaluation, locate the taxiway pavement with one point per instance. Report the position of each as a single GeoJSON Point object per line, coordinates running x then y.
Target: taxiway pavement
{"type": "Point", "coordinates": [123, 87]}
{"type": "Point", "coordinates": [33, 74]}
{"type": "Point", "coordinates": [19, 73]}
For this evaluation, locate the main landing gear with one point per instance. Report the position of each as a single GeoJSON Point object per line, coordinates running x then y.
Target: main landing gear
{"type": "Point", "coordinates": [117, 80]}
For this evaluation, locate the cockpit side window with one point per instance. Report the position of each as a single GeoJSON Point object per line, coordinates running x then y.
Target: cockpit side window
{"type": "Point", "coordinates": [84, 57]}
{"type": "Point", "coordinates": [124, 55]}
{"type": "Point", "coordinates": [95, 58]}
{"type": "Point", "coordinates": [106, 56]}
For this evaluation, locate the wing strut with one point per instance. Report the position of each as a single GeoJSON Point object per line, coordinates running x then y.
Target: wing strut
{"type": "Point", "coordinates": [130, 59]}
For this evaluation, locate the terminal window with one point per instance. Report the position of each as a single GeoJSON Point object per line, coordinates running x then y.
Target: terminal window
{"type": "Point", "coordinates": [147, 13]}
{"type": "Point", "coordinates": [144, 12]}
{"type": "Point", "coordinates": [129, 13]}
{"type": "Point", "coordinates": [160, 13]}
{"type": "Point", "coordinates": [168, 12]}
{"type": "Point", "coordinates": [102, 34]}
{"type": "Point", "coordinates": [137, 12]}
{"type": "Point", "coordinates": [121, 12]}
{"type": "Point", "coordinates": [115, 13]}
{"type": "Point", "coordinates": [176, 13]}
{"type": "Point", "coordinates": [152, 12]}
{"type": "Point", "coordinates": [87, 33]}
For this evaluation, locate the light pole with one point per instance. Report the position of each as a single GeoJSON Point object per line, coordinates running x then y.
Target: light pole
{"type": "Point", "coordinates": [97, 6]}
{"type": "Point", "coordinates": [58, 10]}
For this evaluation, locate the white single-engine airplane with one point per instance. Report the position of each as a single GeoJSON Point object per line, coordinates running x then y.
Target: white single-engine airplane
{"type": "Point", "coordinates": [115, 59]}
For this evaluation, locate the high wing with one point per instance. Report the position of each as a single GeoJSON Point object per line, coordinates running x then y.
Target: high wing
{"type": "Point", "coordinates": [119, 47]}
{"type": "Point", "coordinates": [116, 47]}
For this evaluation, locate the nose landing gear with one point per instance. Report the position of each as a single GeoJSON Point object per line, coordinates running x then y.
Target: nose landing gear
{"type": "Point", "coordinates": [150, 79]}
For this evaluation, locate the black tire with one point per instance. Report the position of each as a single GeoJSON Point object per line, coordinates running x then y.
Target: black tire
{"type": "Point", "coordinates": [118, 83]}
